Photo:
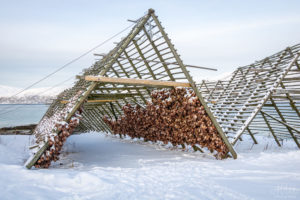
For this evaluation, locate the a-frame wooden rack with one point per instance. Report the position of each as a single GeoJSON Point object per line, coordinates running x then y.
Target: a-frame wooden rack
{"type": "Point", "coordinates": [144, 60]}
{"type": "Point", "coordinates": [261, 98]}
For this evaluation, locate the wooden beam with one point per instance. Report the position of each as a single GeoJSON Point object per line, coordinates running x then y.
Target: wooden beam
{"type": "Point", "coordinates": [289, 128]}
{"type": "Point", "coordinates": [95, 101]}
{"type": "Point", "coordinates": [112, 59]}
{"type": "Point", "coordinates": [295, 98]}
{"type": "Point", "coordinates": [144, 59]}
{"type": "Point", "coordinates": [252, 136]}
{"type": "Point", "coordinates": [270, 128]}
{"type": "Point", "coordinates": [133, 21]}
{"type": "Point", "coordinates": [101, 100]}
{"type": "Point", "coordinates": [131, 81]}
{"type": "Point", "coordinates": [292, 103]}
{"type": "Point", "coordinates": [283, 123]}
{"type": "Point", "coordinates": [127, 75]}
{"type": "Point", "coordinates": [194, 87]}
{"type": "Point", "coordinates": [292, 78]}
{"type": "Point", "coordinates": [159, 55]}
{"type": "Point", "coordinates": [286, 91]}
{"type": "Point", "coordinates": [259, 70]}
{"type": "Point", "coordinates": [123, 88]}
{"type": "Point", "coordinates": [18, 130]}
{"type": "Point", "coordinates": [112, 96]}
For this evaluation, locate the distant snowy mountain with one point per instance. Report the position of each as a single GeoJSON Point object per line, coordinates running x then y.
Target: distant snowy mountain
{"type": "Point", "coordinates": [223, 76]}
{"type": "Point", "coordinates": [30, 96]}
{"type": "Point", "coordinates": [7, 91]}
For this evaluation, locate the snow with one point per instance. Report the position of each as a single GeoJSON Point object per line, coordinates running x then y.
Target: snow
{"type": "Point", "coordinates": [47, 126]}
{"type": "Point", "coordinates": [99, 166]}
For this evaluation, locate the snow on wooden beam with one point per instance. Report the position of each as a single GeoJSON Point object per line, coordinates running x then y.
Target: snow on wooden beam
{"type": "Point", "coordinates": [94, 101]}
{"type": "Point", "coordinates": [285, 91]}
{"type": "Point", "coordinates": [111, 96]}
{"type": "Point", "coordinates": [131, 81]}
{"type": "Point", "coordinates": [101, 100]}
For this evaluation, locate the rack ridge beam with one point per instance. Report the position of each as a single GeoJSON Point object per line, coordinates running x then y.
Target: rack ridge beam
{"type": "Point", "coordinates": [131, 81]}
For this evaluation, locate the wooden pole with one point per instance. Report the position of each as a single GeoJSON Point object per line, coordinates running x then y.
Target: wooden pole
{"type": "Point", "coordinates": [193, 85]}
{"type": "Point", "coordinates": [111, 59]}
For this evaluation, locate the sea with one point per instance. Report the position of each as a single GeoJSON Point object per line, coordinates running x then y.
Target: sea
{"type": "Point", "coordinates": [21, 114]}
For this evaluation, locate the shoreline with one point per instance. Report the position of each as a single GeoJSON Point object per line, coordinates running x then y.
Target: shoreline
{"type": "Point", "coordinates": [24, 104]}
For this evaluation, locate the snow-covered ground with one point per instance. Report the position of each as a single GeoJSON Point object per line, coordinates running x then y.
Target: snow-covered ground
{"type": "Point", "coordinates": [96, 166]}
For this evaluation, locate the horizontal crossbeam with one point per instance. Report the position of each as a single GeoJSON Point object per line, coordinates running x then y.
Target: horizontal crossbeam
{"type": "Point", "coordinates": [285, 91]}
{"type": "Point", "coordinates": [123, 88]}
{"type": "Point", "coordinates": [101, 100]}
{"type": "Point", "coordinates": [111, 96]}
{"type": "Point", "coordinates": [131, 81]}
{"type": "Point", "coordinates": [94, 101]}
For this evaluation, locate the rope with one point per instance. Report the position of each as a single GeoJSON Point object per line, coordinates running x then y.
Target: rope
{"type": "Point", "coordinates": [62, 67]}
{"type": "Point", "coordinates": [72, 61]}
{"type": "Point", "coordinates": [8, 110]}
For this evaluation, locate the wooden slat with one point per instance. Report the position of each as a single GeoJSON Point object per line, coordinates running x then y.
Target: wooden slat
{"type": "Point", "coordinates": [101, 100]}
{"type": "Point", "coordinates": [111, 96]}
{"type": "Point", "coordinates": [131, 81]}
{"type": "Point", "coordinates": [194, 87]}
{"type": "Point", "coordinates": [285, 91]}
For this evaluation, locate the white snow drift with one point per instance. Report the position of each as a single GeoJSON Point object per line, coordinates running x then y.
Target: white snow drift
{"type": "Point", "coordinates": [95, 166]}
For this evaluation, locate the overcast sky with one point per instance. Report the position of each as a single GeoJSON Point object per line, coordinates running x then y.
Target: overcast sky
{"type": "Point", "coordinates": [37, 37]}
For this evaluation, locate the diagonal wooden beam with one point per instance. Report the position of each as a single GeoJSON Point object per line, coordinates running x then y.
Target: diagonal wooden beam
{"type": "Point", "coordinates": [111, 59]}
{"type": "Point", "coordinates": [194, 87]}
{"type": "Point", "coordinates": [159, 55]}
{"type": "Point", "coordinates": [127, 75]}
{"type": "Point", "coordinates": [283, 123]}
{"type": "Point", "coordinates": [270, 128]}
{"type": "Point", "coordinates": [252, 136]}
{"type": "Point", "coordinates": [292, 103]}
{"type": "Point", "coordinates": [144, 59]}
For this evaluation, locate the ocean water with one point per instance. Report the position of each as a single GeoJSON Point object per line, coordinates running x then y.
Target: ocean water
{"type": "Point", "coordinates": [19, 114]}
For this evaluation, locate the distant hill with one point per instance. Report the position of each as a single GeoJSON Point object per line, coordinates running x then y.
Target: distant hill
{"type": "Point", "coordinates": [32, 96]}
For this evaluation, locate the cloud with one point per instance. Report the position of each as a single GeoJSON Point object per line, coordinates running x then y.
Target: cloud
{"type": "Point", "coordinates": [228, 45]}
{"type": "Point", "coordinates": [42, 45]}
{"type": "Point", "coordinates": [232, 27]}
